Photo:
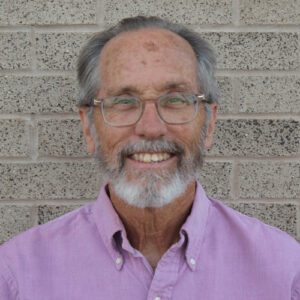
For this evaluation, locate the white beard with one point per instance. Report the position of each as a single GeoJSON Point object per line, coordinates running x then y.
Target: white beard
{"type": "Point", "coordinates": [151, 188]}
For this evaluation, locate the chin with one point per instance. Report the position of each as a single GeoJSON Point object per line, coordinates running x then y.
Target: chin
{"type": "Point", "coordinates": [155, 189]}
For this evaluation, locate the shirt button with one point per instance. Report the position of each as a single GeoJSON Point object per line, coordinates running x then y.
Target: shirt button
{"type": "Point", "coordinates": [157, 298]}
{"type": "Point", "coordinates": [118, 260]}
{"type": "Point", "coordinates": [192, 262]}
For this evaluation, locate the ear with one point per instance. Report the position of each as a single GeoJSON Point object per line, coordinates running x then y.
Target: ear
{"type": "Point", "coordinates": [89, 139]}
{"type": "Point", "coordinates": [211, 126]}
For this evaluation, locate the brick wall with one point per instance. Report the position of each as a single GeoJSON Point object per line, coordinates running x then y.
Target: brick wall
{"type": "Point", "coordinates": [254, 164]}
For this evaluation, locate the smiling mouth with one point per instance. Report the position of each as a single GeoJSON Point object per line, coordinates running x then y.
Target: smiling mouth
{"type": "Point", "coordinates": [151, 157]}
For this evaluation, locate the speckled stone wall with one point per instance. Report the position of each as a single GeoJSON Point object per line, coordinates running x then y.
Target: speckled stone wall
{"type": "Point", "coordinates": [254, 164]}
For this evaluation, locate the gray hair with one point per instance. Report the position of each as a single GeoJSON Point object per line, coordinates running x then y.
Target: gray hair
{"type": "Point", "coordinates": [88, 72]}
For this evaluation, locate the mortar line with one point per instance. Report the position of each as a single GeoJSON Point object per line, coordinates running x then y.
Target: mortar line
{"type": "Point", "coordinates": [100, 13]}
{"type": "Point", "coordinates": [260, 116]}
{"type": "Point", "coordinates": [39, 202]}
{"type": "Point", "coordinates": [245, 28]}
{"type": "Point", "coordinates": [45, 159]}
{"type": "Point", "coordinates": [249, 159]}
{"type": "Point", "coordinates": [245, 73]}
{"type": "Point", "coordinates": [235, 12]}
{"type": "Point", "coordinates": [289, 28]}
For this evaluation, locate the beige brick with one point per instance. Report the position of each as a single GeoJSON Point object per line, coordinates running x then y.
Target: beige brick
{"type": "Point", "coordinates": [47, 213]}
{"type": "Point", "coordinates": [38, 94]}
{"type": "Point", "coordinates": [49, 180]}
{"type": "Point", "coordinates": [14, 219]}
{"type": "Point", "coordinates": [61, 138]}
{"type": "Point", "coordinates": [269, 12]}
{"type": "Point", "coordinates": [39, 12]}
{"type": "Point", "coordinates": [226, 100]}
{"type": "Point", "coordinates": [256, 138]}
{"type": "Point", "coordinates": [255, 50]}
{"type": "Point", "coordinates": [282, 216]}
{"type": "Point", "coordinates": [269, 180]}
{"type": "Point", "coordinates": [15, 51]}
{"type": "Point", "coordinates": [14, 138]}
{"type": "Point", "coordinates": [59, 51]}
{"type": "Point", "coordinates": [185, 12]}
{"type": "Point", "coordinates": [215, 179]}
{"type": "Point", "coordinates": [269, 94]}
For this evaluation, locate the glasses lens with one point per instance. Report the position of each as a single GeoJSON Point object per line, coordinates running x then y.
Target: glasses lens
{"type": "Point", "coordinates": [177, 107]}
{"type": "Point", "coordinates": [121, 110]}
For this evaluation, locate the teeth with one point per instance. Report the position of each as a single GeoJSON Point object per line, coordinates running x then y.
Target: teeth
{"type": "Point", "coordinates": [151, 157]}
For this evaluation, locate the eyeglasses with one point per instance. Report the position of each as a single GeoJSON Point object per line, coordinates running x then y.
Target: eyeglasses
{"type": "Point", "coordinates": [174, 108]}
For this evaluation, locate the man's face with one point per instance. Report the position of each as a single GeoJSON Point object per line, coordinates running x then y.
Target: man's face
{"type": "Point", "coordinates": [147, 64]}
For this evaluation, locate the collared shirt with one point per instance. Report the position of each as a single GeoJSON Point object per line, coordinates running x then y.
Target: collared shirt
{"type": "Point", "coordinates": [85, 255]}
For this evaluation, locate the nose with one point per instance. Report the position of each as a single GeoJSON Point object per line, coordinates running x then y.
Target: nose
{"type": "Point", "coordinates": [150, 125]}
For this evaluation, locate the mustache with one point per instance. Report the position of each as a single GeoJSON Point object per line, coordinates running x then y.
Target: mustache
{"type": "Point", "coordinates": [157, 145]}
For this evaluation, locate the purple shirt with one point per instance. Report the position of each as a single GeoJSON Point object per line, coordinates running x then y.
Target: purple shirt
{"type": "Point", "coordinates": [85, 255]}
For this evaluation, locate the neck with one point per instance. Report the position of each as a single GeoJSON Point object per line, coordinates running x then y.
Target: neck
{"type": "Point", "coordinates": [153, 230]}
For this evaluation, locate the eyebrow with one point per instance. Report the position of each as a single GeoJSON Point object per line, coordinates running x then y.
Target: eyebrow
{"type": "Point", "coordinates": [132, 89]}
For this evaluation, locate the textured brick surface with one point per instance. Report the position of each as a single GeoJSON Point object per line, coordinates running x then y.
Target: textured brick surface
{"type": "Point", "coordinates": [47, 213]}
{"type": "Point", "coordinates": [15, 51]}
{"type": "Point", "coordinates": [269, 12]}
{"type": "Point", "coordinates": [14, 139]}
{"type": "Point", "coordinates": [226, 100]}
{"type": "Point", "coordinates": [255, 50]}
{"type": "Point", "coordinates": [13, 220]}
{"type": "Point", "coordinates": [215, 178]}
{"type": "Point", "coordinates": [282, 216]}
{"type": "Point", "coordinates": [256, 138]}
{"type": "Point", "coordinates": [59, 51]}
{"type": "Point", "coordinates": [269, 180]}
{"type": "Point", "coordinates": [269, 94]}
{"type": "Point", "coordinates": [61, 138]}
{"type": "Point", "coordinates": [185, 12]}
{"type": "Point", "coordinates": [38, 94]}
{"type": "Point", "coordinates": [44, 181]}
{"type": "Point", "coordinates": [47, 12]}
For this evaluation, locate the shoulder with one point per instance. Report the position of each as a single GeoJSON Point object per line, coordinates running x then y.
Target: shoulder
{"type": "Point", "coordinates": [42, 237]}
{"type": "Point", "coordinates": [252, 232]}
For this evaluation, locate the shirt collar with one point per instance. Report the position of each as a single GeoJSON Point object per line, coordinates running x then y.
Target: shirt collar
{"type": "Point", "coordinates": [109, 224]}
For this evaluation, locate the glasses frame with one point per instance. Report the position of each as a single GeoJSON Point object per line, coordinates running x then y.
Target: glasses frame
{"type": "Point", "coordinates": [199, 97]}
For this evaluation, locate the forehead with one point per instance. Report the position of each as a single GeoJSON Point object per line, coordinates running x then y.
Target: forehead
{"type": "Point", "coordinates": [146, 51]}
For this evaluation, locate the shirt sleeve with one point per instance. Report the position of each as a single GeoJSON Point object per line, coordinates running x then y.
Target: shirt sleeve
{"type": "Point", "coordinates": [296, 288]}
{"type": "Point", "coordinates": [8, 287]}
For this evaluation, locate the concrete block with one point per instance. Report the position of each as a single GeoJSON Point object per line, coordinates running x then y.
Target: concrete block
{"type": "Point", "coordinates": [226, 99]}
{"type": "Point", "coordinates": [269, 94]}
{"type": "Point", "coordinates": [265, 179]}
{"type": "Point", "coordinates": [185, 12]}
{"type": "Point", "coordinates": [282, 216]}
{"type": "Point", "coordinates": [30, 94]}
{"type": "Point", "coordinates": [14, 220]}
{"type": "Point", "coordinates": [256, 138]}
{"type": "Point", "coordinates": [255, 50]}
{"type": "Point", "coordinates": [61, 138]}
{"type": "Point", "coordinates": [50, 180]}
{"type": "Point", "coordinates": [14, 138]}
{"type": "Point", "coordinates": [266, 12]}
{"type": "Point", "coordinates": [40, 12]}
{"type": "Point", "coordinates": [59, 51]}
{"type": "Point", "coordinates": [47, 213]}
{"type": "Point", "coordinates": [215, 179]}
{"type": "Point", "coordinates": [15, 51]}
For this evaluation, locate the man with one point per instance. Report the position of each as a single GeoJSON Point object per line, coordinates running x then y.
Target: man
{"type": "Point", "coordinates": [148, 108]}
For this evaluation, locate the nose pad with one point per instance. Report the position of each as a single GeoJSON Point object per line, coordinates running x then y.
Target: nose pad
{"type": "Point", "coordinates": [150, 125]}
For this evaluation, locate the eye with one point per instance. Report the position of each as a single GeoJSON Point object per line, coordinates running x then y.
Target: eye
{"type": "Point", "coordinates": [174, 101]}
{"type": "Point", "coordinates": [121, 103]}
